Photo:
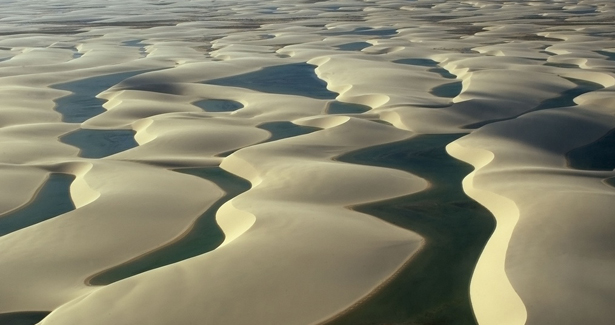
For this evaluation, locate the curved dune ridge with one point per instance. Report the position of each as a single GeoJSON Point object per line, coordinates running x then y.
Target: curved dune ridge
{"type": "Point", "coordinates": [307, 162]}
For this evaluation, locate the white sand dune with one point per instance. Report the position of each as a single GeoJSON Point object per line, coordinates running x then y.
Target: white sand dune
{"type": "Point", "coordinates": [91, 225]}
{"type": "Point", "coordinates": [307, 217]}
{"type": "Point", "coordinates": [557, 244]}
{"type": "Point", "coordinates": [525, 82]}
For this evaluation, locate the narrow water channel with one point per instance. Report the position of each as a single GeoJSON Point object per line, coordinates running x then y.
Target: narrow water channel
{"type": "Point", "coordinates": [51, 200]}
{"type": "Point", "coordinates": [23, 318]}
{"type": "Point", "coordinates": [204, 236]}
{"type": "Point", "coordinates": [434, 287]}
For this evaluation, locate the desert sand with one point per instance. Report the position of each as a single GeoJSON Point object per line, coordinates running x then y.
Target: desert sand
{"type": "Point", "coordinates": [298, 141]}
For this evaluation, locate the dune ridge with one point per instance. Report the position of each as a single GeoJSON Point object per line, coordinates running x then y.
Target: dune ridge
{"type": "Point", "coordinates": [510, 206]}
{"type": "Point", "coordinates": [493, 297]}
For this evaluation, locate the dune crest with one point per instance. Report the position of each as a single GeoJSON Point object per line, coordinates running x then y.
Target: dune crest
{"type": "Point", "coordinates": [493, 297]}
{"type": "Point", "coordinates": [81, 193]}
{"type": "Point", "coordinates": [233, 222]}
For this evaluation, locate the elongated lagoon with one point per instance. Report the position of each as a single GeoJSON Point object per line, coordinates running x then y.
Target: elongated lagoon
{"type": "Point", "coordinates": [434, 287]}
{"type": "Point", "coordinates": [290, 79]}
{"type": "Point", "coordinates": [51, 200]}
{"type": "Point", "coordinates": [204, 236]}
{"type": "Point", "coordinates": [23, 318]}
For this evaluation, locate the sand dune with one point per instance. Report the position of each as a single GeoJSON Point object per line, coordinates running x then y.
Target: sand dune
{"type": "Point", "coordinates": [125, 117]}
{"type": "Point", "coordinates": [554, 240]}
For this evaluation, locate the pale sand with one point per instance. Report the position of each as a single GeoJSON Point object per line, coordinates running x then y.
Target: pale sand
{"type": "Point", "coordinates": [294, 253]}
{"type": "Point", "coordinates": [546, 268]}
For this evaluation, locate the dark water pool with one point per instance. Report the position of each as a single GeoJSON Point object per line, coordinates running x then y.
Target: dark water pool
{"type": "Point", "coordinates": [51, 200]}
{"type": "Point", "coordinates": [23, 318]}
{"type": "Point", "coordinates": [354, 46]}
{"type": "Point", "coordinates": [598, 155]}
{"type": "Point", "coordinates": [337, 107]}
{"type": "Point", "coordinates": [218, 105]}
{"type": "Point", "coordinates": [82, 104]}
{"type": "Point", "coordinates": [290, 79]}
{"type": "Point", "coordinates": [100, 143]}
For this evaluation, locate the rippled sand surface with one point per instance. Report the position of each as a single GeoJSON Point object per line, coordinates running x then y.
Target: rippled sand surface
{"type": "Point", "coordinates": [307, 162]}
